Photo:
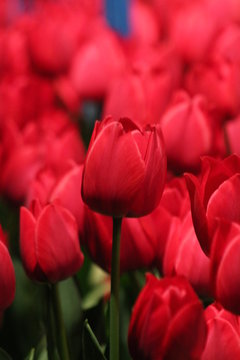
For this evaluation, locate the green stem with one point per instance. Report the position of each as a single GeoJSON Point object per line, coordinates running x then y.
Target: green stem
{"type": "Point", "coordinates": [60, 328]}
{"type": "Point", "coordinates": [51, 338]}
{"type": "Point", "coordinates": [115, 282]}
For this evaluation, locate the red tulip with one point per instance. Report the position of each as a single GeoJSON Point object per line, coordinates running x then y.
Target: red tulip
{"type": "Point", "coordinates": [167, 321]}
{"type": "Point", "coordinates": [218, 80]}
{"type": "Point", "coordinates": [178, 251]}
{"type": "Point", "coordinates": [223, 340]}
{"type": "Point", "coordinates": [225, 257]}
{"type": "Point", "coordinates": [187, 130]}
{"type": "Point", "coordinates": [91, 71]}
{"type": "Point", "coordinates": [214, 195]}
{"type": "Point", "coordinates": [7, 275]}
{"type": "Point", "coordinates": [65, 189]}
{"type": "Point", "coordinates": [144, 90]}
{"type": "Point", "coordinates": [125, 168]}
{"type": "Point", "coordinates": [232, 129]}
{"type": "Point", "coordinates": [49, 242]}
{"type": "Point", "coordinates": [184, 256]}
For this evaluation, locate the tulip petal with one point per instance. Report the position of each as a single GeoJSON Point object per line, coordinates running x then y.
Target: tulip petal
{"type": "Point", "coordinates": [28, 242]}
{"type": "Point", "coordinates": [186, 334]}
{"type": "Point", "coordinates": [225, 201]}
{"type": "Point", "coordinates": [198, 213]}
{"type": "Point", "coordinates": [223, 342]}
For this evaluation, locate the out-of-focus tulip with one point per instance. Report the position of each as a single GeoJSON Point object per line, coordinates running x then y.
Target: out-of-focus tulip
{"type": "Point", "coordinates": [98, 59]}
{"type": "Point", "coordinates": [178, 251]}
{"type": "Point", "coordinates": [184, 256]}
{"type": "Point", "coordinates": [143, 91]}
{"type": "Point", "coordinates": [188, 23]}
{"type": "Point", "coordinates": [223, 340]}
{"type": "Point", "coordinates": [7, 275]}
{"type": "Point", "coordinates": [218, 80]}
{"type": "Point", "coordinates": [232, 132]}
{"type": "Point", "coordinates": [167, 321]}
{"type": "Point", "coordinates": [125, 168]}
{"type": "Point", "coordinates": [64, 27]}
{"type": "Point", "coordinates": [49, 242]}
{"type": "Point", "coordinates": [187, 131]}
{"type": "Point", "coordinates": [144, 25]}
{"type": "Point", "coordinates": [51, 142]}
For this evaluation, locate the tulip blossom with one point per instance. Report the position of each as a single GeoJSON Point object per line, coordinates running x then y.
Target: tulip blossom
{"type": "Point", "coordinates": [218, 80]}
{"type": "Point", "coordinates": [64, 189]}
{"type": "Point", "coordinates": [178, 251]}
{"type": "Point", "coordinates": [7, 275]}
{"type": "Point", "coordinates": [144, 90]}
{"type": "Point", "coordinates": [49, 242]}
{"type": "Point", "coordinates": [214, 195]}
{"type": "Point", "coordinates": [187, 130]}
{"type": "Point", "coordinates": [224, 257]}
{"type": "Point", "coordinates": [125, 168]}
{"type": "Point", "coordinates": [223, 340]}
{"type": "Point", "coordinates": [167, 321]}
{"type": "Point", "coordinates": [184, 256]}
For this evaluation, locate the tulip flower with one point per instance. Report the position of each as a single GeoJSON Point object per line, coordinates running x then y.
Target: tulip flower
{"type": "Point", "coordinates": [223, 340]}
{"type": "Point", "coordinates": [125, 168]}
{"type": "Point", "coordinates": [167, 321]}
{"type": "Point", "coordinates": [214, 195]}
{"type": "Point", "coordinates": [49, 242]}
{"type": "Point", "coordinates": [187, 130]}
{"type": "Point", "coordinates": [224, 261]}
{"type": "Point", "coordinates": [143, 91]}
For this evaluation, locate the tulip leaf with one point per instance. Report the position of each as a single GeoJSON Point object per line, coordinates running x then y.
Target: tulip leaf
{"type": "Point", "coordinates": [91, 347]}
{"type": "Point", "coordinates": [31, 355]}
{"type": "Point", "coordinates": [4, 355]}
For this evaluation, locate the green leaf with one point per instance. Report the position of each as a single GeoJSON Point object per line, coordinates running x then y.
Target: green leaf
{"type": "Point", "coordinates": [4, 355]}
{"type": "Point", "coordinates": [91, 347]}
{"type": "Point", "coordinates": [31, 355]}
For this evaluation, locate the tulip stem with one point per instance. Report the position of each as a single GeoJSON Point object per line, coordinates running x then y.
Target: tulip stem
{"type": "Point", "coordinates": [115, 282]}
{"type": "Point", "coordinates": [60, 328]}
{"type": "Point", "coordinates": [51, 338]}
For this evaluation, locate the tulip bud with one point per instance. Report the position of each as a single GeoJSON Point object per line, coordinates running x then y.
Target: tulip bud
{"type": "Point", "coordinates": [49, 242]}
{"type": "Point", "coordinates": [125, 169]}
{"type": "Point", "coordinates": [223, 334]}
{"type": "Point", "coordinates": [167, 321]}
{"type": "Point", "coordinates": [224, 260]}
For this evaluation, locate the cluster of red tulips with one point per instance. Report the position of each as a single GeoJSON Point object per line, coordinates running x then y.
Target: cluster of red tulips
{"type": "Point", "coordinates": [154, 196]}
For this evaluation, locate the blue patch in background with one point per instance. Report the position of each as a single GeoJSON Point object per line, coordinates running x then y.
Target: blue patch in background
{"type": "Point", "coordinates": [117, 15]}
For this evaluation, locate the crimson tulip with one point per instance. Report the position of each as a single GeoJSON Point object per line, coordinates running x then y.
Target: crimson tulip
{"type": "Point", "coordinates": [125, 168]}
{"type": "Point", "coordinates": [49, 242]}
{"type": "Point", "coordinates": [224, 259]}
{"type": "Point", "coordinates": [223, 340]}
{"type": "Point", "coordinates": [214, 195]}
{"type": "Point", "coordinates": [167, 321]}
{"type": "Point", "coordinates": [143, 91]}
{"type": "Point", "coordinates": [187, 130]}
